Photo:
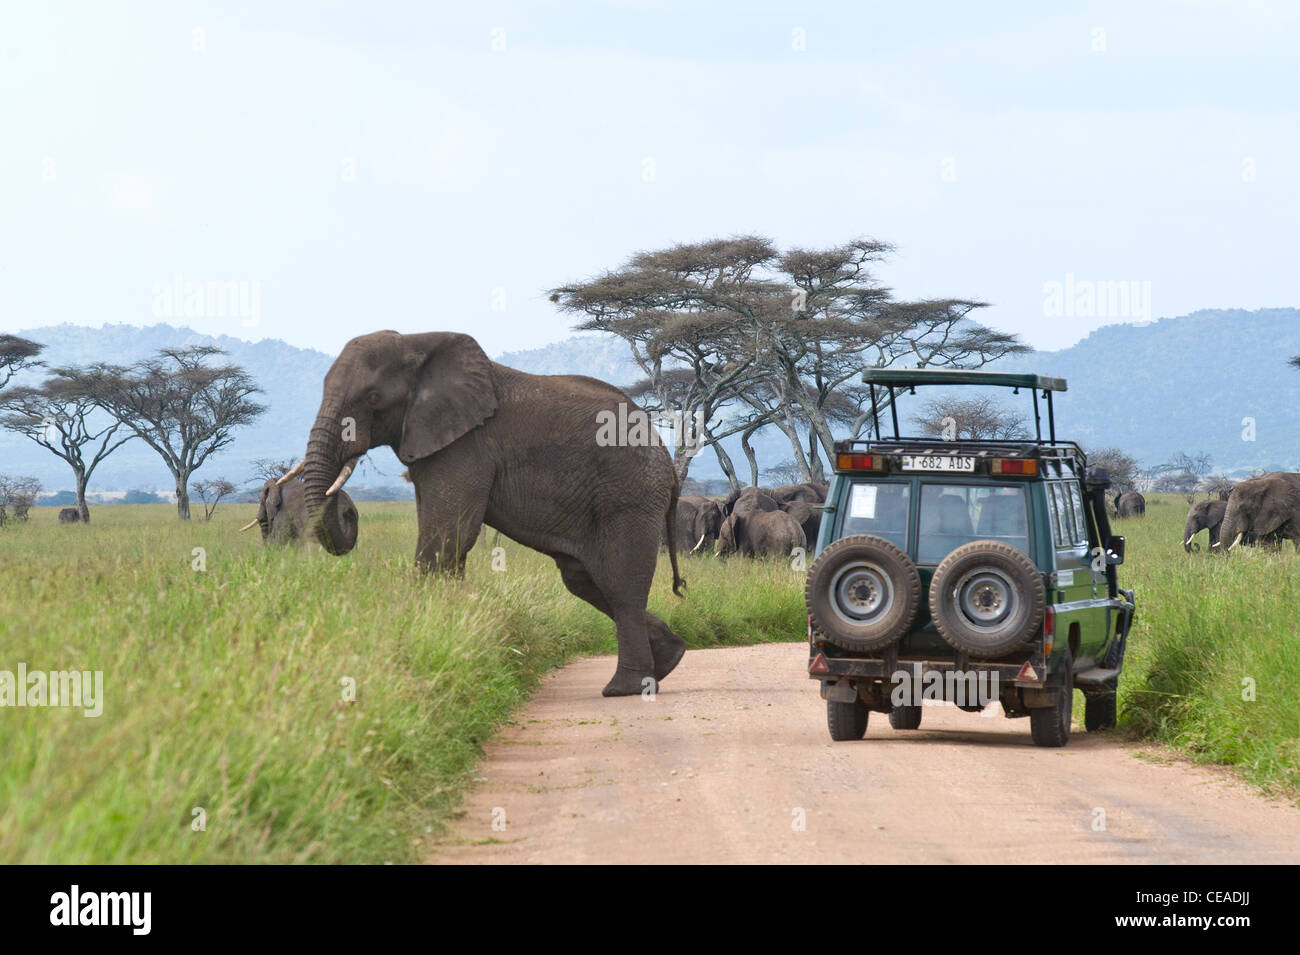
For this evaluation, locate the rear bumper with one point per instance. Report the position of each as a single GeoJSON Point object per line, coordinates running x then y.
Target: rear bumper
{"type": "Point", "coordinates": [884, 669]}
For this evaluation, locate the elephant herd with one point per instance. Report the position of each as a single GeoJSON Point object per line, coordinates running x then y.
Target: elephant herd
{"type": "Point", "coordinates": [752, 521]}
{"type": "Point", "coordinates": [1259, 510]}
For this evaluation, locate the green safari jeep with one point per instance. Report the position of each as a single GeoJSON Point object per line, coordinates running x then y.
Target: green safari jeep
{"type": "Point", "coordinates": [968, 570]}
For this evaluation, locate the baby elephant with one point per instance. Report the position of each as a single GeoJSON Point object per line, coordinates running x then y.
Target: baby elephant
{"type": "Point", "coordinates": [760, 533]}
{"type": "Point", "coordinates": [282, 513]}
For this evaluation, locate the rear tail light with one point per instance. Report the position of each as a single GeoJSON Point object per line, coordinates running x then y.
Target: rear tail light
{"type": "Point", "coordinates": [1013, 466]}
{"type": "Point", "coordinates": [857, 462]}
{"type": "Point", "coordinates": [1049, 631]}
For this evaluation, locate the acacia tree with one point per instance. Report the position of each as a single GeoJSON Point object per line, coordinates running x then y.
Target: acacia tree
{"type": "Point", "coordinates": [65, 421]}
{"type": "Point", "coordinates": [178, 404]}
{"type": "Point", "coordinates": [17, 494]}
{"type": "Point", "coordinates": [17, 354]}
{"type": "Point", "coordinates": [211, 492]}
{"type": "Point", "coordinates": [736, 312]}
{"type": "Point", "coordinates": [971, 418]}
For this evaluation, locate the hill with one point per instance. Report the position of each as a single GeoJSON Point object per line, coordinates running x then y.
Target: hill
{"type": "Point", "coordinates": [1190, 384]}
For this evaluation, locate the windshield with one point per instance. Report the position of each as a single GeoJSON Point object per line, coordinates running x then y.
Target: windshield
{"type": "Point", "coordinates": [955, 514]}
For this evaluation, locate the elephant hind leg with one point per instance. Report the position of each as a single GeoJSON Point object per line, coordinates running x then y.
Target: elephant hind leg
{"type": "Point", "coordinates": [620, 592]}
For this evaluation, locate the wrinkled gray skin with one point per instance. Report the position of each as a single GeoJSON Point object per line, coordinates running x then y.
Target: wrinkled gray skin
{"type": "Point", "coordinates": [1264, 507]}
{"type": "Point", "coordinates": [759, 533]}
{"type": "Point", "coordinates": [282, 514]}
{"type": "Point", "coordinates": [487, 444]}
{"type": "Point", "coordinates": [808, 517]}
{"type": "Point", "coordinates": [1203, 515]}
{"type": "Point", "coordinates": [69, 515]}
{"type": "Point", "coordinates": [1130, 504]}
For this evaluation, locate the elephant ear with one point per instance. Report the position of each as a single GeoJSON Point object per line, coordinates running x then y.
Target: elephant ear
{"type": "Point", "coordinates": [270, 503]}
{"type": "Point", "coordinates": [453, 392]}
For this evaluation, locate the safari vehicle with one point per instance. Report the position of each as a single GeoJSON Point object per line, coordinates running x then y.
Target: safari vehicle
{"type": "Point", "coordinates": [946, 566]}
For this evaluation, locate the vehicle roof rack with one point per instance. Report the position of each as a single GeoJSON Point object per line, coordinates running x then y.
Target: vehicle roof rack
{"type": "Point", "coordinates": [908, 379]}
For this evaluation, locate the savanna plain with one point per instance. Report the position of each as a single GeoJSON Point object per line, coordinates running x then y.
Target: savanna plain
{"type": "Point", "coordinates": [280, 705]}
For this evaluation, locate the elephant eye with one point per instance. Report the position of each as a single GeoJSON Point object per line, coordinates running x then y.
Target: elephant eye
{"type": "Point", "coordinates": [373, 397]}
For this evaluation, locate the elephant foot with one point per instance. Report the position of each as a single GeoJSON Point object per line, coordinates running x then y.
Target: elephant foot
{"type": "Point", "coordinates": [630, 683]}
{"type": "Point", "coordinates": [668, 650]}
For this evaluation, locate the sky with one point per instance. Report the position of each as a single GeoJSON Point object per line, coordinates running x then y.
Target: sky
{"type": "Point", "coordinates": [315, 171]}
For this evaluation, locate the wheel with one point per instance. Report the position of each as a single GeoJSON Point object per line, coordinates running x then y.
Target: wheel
{"type": "Point", "coordinates": [1101, 711]}
{"type": "Point", "coordinates": [987, 599]}
{"type": "Point", "coordinates": [846, 721]}
{"type": "Point", "coordinates": [1050, 725]}
{"type": "Point", "coordinates": [905, 717]}
{"type": "Point", "coordinates": [862, 593]}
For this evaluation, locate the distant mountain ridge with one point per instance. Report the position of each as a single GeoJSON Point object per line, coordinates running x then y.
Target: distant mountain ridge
{"type": "Point", "coordinates": [1189, 384]}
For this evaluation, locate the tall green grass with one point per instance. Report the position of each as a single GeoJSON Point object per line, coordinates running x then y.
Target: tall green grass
{"type": "Point", "coordinates": [1213, 665]}
{"type": "Point", "coordinates": [225, 685]}
{"type": "Point", "coordinates": [224, 681]}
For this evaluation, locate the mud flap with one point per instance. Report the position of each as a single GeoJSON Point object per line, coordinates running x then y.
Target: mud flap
{"type": "Point", "coordinates": [839, 691]}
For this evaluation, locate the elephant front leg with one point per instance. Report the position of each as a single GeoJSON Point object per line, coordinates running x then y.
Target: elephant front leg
{"type": "Point", "coordinates": [635, 673]}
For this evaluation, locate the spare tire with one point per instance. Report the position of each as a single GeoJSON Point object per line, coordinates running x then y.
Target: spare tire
{"type": "Point", "coordinates": [862, 593]}
{"type": "Point", "coordinates": [987, 599]}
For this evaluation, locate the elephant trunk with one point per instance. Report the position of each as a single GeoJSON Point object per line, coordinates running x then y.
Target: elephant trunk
{"type": "Point", "coordinates": [1229, 531]}
{"type": "Point", "coordinates": [333, 522]}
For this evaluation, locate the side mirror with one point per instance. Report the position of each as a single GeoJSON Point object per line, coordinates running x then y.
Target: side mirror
{"type": "Point", "coordinates": [1115, 550]}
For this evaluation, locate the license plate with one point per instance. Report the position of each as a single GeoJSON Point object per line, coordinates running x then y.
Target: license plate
{"type": "Point", "coordinates": [938, 462]}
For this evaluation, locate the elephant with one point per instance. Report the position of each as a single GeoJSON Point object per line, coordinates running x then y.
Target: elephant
{"type": "Point", "coordinates": [282, 514]}
{"type": "Point", "coordinates": [1130, 504]}
{"type": "Point", "coordinates": [707, 524]}
{"type": "Point", "coordinates": [759, 533]}
{"type": "Point", "coordinates": [808, 517]}
{"type": "Point", "coordinates": [809, 492]}
{"type": "Point", "coordinates": [1266, 507]}
{"type": "Point", "coordinates": [550, 461]}
{"type": "Point", "coordinates": [687, 505]}
{"type": "Point", "coordinates": [1202, 515]}
{"type": "Point", "coordinates": [69, 515]}
{"type": "Point", "coordinates": [750, 499]}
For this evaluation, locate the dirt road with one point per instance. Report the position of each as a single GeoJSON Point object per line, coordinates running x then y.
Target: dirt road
{"type": "Point", "coordinates": [732, 763]}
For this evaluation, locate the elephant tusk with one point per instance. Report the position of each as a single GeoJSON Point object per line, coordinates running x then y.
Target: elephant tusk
{"type": "Point", "coordinates": [343, 477]}
{"type": "Point", "coordinates": [699, 543]}
{"type": "Point", "coordinates": [249, 525]}
{"type": "Point", "coordinates": [1188, 541]}
{"type": "Point", "coordinates": [1236, 540]}
{"type": "Point", "coordinates": [292, 473]}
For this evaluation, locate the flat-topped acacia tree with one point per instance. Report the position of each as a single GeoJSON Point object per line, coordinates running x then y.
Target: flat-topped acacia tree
{"type": "Point", "coordinates": [177, 403]}
{"type": "Point", "coordinates": [65, 421]}
{"type": "Point", "coordinates": [740, 316]}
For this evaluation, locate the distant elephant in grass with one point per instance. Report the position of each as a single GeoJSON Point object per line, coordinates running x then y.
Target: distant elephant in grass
{"type": "Point", "coordinates": [750, 499]}
{"type": "Point", "coordinates": [540, 458]}
{"type": "Point", "coordinates": [282, 514]}
{"type": "Point", "coordinates": [707, 525]}
{"type": "Point", "coordinates": [808, 492]}
{"type": "Point", "coordinates": [760, 534]}
{"type": "Point", "coordinates": [69, 515]}
{"type": "Point", "coordinates": [1204, 515]}
{"type": "Point", "coordinates": [1130, 504]}
{"type": "Point", "coordinates": [1266, 507]}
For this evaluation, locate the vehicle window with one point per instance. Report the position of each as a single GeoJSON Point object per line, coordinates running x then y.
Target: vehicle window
{"type": "Point", "coordinates": [955, 514]}
{"type": "Point", "coordinates": [1080, 522]}
{"type": "Point", "coordinates": [1062, 522]}
{"type": "Point", "coordinates": [879, 509]}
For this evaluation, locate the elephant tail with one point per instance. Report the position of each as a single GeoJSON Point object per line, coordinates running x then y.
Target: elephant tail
{"type": "Point", "coordinates": [671, 532]}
